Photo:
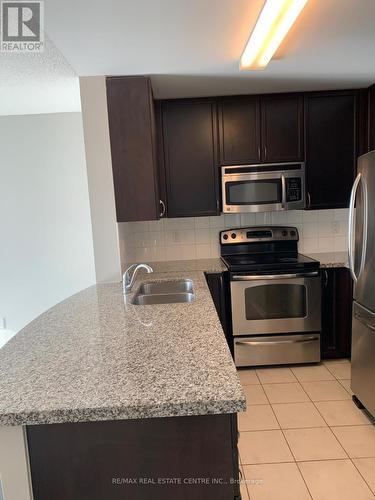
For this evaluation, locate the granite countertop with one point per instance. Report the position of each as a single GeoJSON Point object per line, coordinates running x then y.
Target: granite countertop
{"type": "Point", "coordinates": [214, 265]}
{"type": "Point", "coordinates": [93, 357]}
{"type": "Point", "coordinates": [330, 259]}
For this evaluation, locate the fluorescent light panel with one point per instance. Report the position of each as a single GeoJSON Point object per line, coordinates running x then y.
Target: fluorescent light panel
{"type": "Point", "coordinates": [274, 22]}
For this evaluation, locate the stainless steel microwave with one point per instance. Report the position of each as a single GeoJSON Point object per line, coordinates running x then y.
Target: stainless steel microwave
{"type": "Point", "coordinates": [263, 188]}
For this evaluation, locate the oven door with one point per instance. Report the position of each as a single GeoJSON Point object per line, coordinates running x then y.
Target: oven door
{"type": "Point", "coordinates": [262, 191]}
{"type": "Point", "coordinates": [280, 303]}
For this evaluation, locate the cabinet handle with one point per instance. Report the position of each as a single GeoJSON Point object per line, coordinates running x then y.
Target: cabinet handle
{"type": "Point", "coordinates": [308, 200]}
{"type": "Point", "coordinates": [325, 278]}
{"type": "Point", "coordinates": [162, 204]}
{"type": "Point", "coordinates": [265, 152]}
{"type": "Point", "coordinates": [259, 153]}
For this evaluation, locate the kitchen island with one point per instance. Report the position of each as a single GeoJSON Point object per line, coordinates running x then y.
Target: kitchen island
{"type": "Point", "coordinates": [116, 400]}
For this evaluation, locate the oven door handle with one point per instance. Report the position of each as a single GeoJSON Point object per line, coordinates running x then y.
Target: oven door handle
{"type": "Point", "coordinates": [274, 342]}
{"type": "Point", "coordinates": [274, 276]}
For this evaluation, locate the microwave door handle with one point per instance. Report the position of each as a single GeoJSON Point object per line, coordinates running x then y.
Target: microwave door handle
{"type": "Point", "coordinates": [283, 191]}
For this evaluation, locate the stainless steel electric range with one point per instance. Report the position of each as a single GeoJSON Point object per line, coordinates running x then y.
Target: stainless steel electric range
{"type": "Point", "coordinates": [275, 296]}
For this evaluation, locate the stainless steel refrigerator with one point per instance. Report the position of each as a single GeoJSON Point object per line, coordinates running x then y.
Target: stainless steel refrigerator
{"type": "Point", "coordinates": [362, 267]}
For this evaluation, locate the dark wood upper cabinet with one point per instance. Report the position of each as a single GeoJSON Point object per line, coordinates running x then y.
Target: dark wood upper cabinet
{"type": "Point", "coordinates": [133, 148]}
{"type": "Point", "coordinates": [371, 118]}
{"type": "Point", "coordinates": [282, 128]}
{"type": "Point", "coordinates": [190, 157]}
{"type": "Point", "coordinates": [239, 127]}
{"type": "Point", "coordinates": [261, 129]}
{"type": "Point", "coordinates": [331, 141]}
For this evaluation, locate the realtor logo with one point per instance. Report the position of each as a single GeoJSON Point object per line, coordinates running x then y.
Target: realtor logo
{"type": "Point", "coordinates": [22, 26]}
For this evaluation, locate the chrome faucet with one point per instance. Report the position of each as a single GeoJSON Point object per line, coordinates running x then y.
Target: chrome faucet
{"type": "Point", "coordinates": [129, 275]}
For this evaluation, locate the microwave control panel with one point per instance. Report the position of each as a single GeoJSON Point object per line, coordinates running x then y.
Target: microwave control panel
{"type": "Point", "coordinates": [293, 189]}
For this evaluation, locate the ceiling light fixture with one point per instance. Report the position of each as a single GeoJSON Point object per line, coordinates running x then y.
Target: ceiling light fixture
{"type": "Point", "coordinates": [274, 22]}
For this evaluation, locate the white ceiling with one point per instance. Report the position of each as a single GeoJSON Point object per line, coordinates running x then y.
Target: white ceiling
{"type": "Point", "coordinates": [192, 48]}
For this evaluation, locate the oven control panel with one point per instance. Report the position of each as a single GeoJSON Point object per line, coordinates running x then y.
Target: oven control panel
{"type": "Point", "coordinates": [258, 234]}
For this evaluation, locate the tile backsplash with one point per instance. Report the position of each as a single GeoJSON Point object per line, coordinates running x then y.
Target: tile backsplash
{"type": "Point", "coordinates": [197, 237]}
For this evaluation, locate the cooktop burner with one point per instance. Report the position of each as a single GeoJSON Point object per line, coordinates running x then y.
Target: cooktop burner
{"type": "Point", "coordinates": [272, 248]}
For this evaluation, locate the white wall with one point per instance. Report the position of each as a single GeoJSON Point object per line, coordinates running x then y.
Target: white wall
{"type": "Point", "coordinates": [46, 249]}
{"type": "Point", "coordinates": [197, 238]}
{"type": "Point", "coordinates": [100, 178]}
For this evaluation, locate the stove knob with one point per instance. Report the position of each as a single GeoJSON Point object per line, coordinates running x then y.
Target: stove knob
{"type": "Point", "coordinates": [292, 233]}
{"type": "Point", "coordinates": [284, 233]}
{"type": "Point", "coordinates": [225, 237]}
{"type": "Point", "coordinates": [233, 235]}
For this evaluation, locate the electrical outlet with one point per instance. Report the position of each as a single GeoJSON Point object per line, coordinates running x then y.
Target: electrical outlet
{"type": "Point", "coordinates": [336, 227]}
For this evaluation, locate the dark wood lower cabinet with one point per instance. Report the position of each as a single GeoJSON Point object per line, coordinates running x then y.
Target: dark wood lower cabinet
{"type": "Point", "coordinates": [177, 458]}
{"type": "Point", "coordinates": [337, 294]}
{"type": "Point", "coordinates": [219, 288]}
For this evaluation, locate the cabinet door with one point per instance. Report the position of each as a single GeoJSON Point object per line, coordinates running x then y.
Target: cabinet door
{"type": "Point", "coordinates": [219, 288]}
{"type": "Point", "coordinates": [189, 131]}
{"type": "Point", "coordinates": [337, 293]}
{"type": "Point", "coordinates": [330, 149]}
{"type": "Point", "coordinates": [239, 127]}
{"type": "Point", "coordinates": [371, 118]}
{"type": "Point", "coordinates": [132, 137]}
{"type": "Point", "coordinates": [282, 128]}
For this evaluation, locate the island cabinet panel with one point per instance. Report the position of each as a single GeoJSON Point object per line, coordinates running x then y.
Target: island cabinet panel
{"type": "Point", "coordinates": [219, 288]}
{"type": "Point", "coordinates": [145, 459]}
{"type": "Point", "coordinates": [190, 157]}
{"type": "Point", "coordinates": [337, 295]}
{"type": "Point", "coordinates": [282, 128]}
{"type": "Point", "coordinates": [331, 139]}
{"type": "Point", "coordinates": [239, 128]}
{"type": "Point", "coordinates": [133, 148]}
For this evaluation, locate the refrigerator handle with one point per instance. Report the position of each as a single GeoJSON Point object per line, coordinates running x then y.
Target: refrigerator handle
{"type": "Point", "coordinates": [353, 197]}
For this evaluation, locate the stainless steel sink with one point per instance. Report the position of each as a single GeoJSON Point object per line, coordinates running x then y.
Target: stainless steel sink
{"type": "Point", "coordinates": [165, 292]}
{"type": "Point", "coordinates": [162, 298]}
{"type": "Point", "coordinates": [163, 287]}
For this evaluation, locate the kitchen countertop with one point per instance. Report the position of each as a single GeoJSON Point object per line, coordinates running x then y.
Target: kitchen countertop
{"type": "Point", "coordinates": [330, 259]}
{"type": "Point", "coordinates": [93, 357]}
{"type": "Point", "coordinates": [215, 265]}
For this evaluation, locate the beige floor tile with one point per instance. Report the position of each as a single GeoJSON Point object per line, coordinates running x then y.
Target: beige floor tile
{"type": "Point", "coordinates": [314, 444]}
{"type": "Point", "coordinates": [312, 373]}
{"type": "Point", "coordinates": [298, 415]}
{"type": "Point", "coordinates": [264, 447]}
{"type": "Point", "coordinates": [248, 377]}
{"type": "Point", "coordinates": [340, 370]}
{"type": "Point", "coordinates": [275, 375]}
{"type": "Point", "coordinates": [358, 441]}
{"type": "Point", "coordinates": [285, 393]}
{"type": "Point", "coordinates": [334, 480]}
{"type": "Point", "coordinates": [243, 487]}
{"type": "Point", "coordinates": [257, 418]}
{"type": "Point", "coordinates": [346, 385]}
{"type": "Point", "coordinates": [275, 482]}
{"type": "Point", "coordinates": [325, 390]}
{"type": "Point", "coordinates": [338, 413]}
{"type": "Point", "coordinates": [335, 361]}
{"type": "Point", "coordinates": [366, 467]}
{"type": "Point", "coordinates": [255, 395]}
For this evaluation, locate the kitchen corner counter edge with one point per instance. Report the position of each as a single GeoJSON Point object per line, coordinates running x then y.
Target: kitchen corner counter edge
{"type": "Point", "coordinates": [330, 259]}
{"type": "Point", "coordinates": [96, 357]}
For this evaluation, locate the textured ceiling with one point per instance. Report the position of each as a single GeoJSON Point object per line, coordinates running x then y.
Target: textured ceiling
{"type": "Point", "coordinates": [34, 83]}
{"type": "Point", "coordinates": [189, 47]}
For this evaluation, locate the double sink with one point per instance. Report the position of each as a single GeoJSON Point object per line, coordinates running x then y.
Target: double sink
{"type": "Point", "coordinates": [165, 292]}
